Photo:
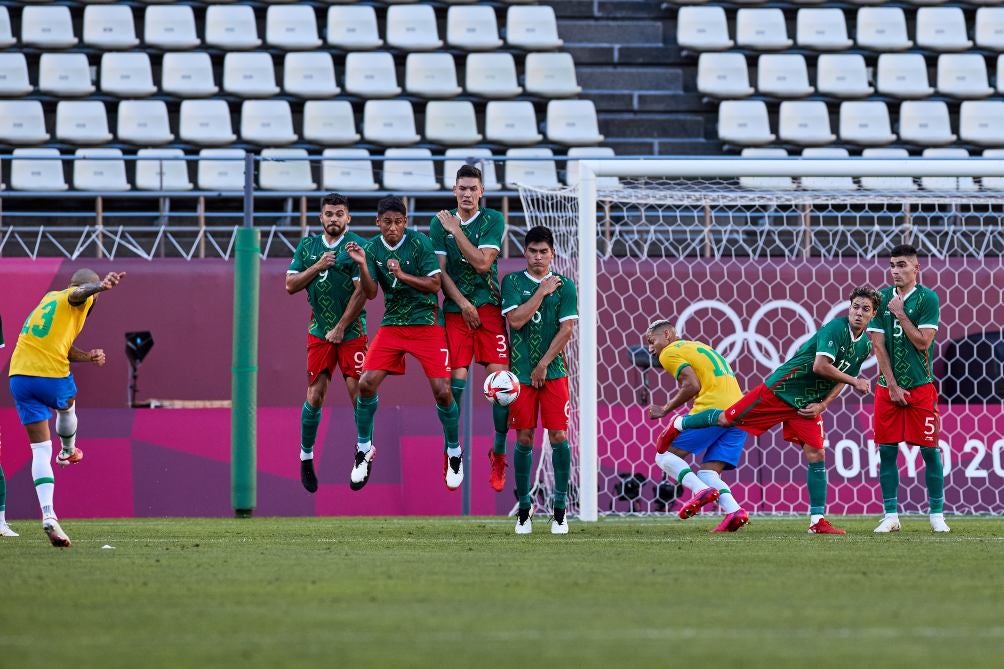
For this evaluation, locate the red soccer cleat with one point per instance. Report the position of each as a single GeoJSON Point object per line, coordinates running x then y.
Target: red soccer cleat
{"type": "Point", "coordinates": [73, 458]}
{"type": "Point", "coordinates": [733, 521]}
{"type": "Point", "coordinates": [666, 438]}
{"type": "Point", "coordinates": [498, 466]}
{"type": "Point", "coordinates": [824, 527]}
{"type": "Point", "coordinates": [698, 502]}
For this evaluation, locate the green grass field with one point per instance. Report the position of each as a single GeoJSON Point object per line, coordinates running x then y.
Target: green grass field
{"type": "Point", "coordinates": [280, 592]}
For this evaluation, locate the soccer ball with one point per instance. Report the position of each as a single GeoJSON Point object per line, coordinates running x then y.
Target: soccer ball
{"type": "Point", "coordinates": [502, 388]}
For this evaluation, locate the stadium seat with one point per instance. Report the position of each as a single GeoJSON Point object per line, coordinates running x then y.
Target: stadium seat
{"type": "Point", "coordinates": [353, 27]}
{"type": "Point", "coordinates": [412, 28]}
{"type": "Point", "coordinates": [64, 74]}
{"type": "Point", "coordinates": [82, 122]}
{"type": "Point", "coordinates": [347, 170]}
{"type": "Point", "coordinates": [804, 122]}
{"type": "Point", "coordinates": [22, 122]}
{"type": "Point", "coordinates": [155, 172]}
{"type": "Point", "coordinates": [309, 74]}
{"type": "Point", "coordinates": [231, 27]}
{"type": "Point", "coordinates": [887, 183]}
{"type": "Point", "coordinates": [783, 76]}
{"type": "Point", "coordinates": [993, 183]}
{"type": "Point", "coordinates": [865, 123]}
{"type": "Point", "coordinates": [267, 122]}
{"type": "Point", "coordinates": [6, 34]}
{"type": "Point", "coordinates": [903, 75]}
{"type": "Point", "coordinates": [550, 75]}
{"type": "Point", "coordinates": [925, 122]}
{"type": "Point", "coordinates": [882, 29]}
{"type": "Point", "coordinates": [14, 75]}
{"type": "Point", "coordinates": [99, 175]}
{"type": "Point", "coordinates": [389, 122]}
{"type": "Point", "coordinates": [48, 27]}
{"type": "Point", "coordinates": [1000, 73]}
{"type": "Point", "coordinates": [277, 171]}
{"type": "Point", "coordinates": [431, 75]}
{"type": "Point", "coordinates": [329, 122]}
{"type": "Point", "coordinates": [842, 76]}
{"type": "Point", "coordinates": [205, 122]}
{"type": "Point", "coordinates": [472, 28]}
{"type": "Point", "coordinates": [702, 29]}
{"type": "Point", "coordinates": [291, 27]}
{"type": "Point", "coordinates": [531, 28]}
{"type": "Point", "coordinates": [723, 75]}
{"type": "Point", "coordinates": [143, 122]}
{"type": "Point", "coordinates": [39, 175]}
{"type": "Point", "coordinates": [989, 31]}
{"type": "Point", "coordinates": [187, 74]}
{"type": "Point", "coordinates": [942, 29]}
{"type": "Point", "coordinates": [521, 171]}
{"type": "Point", "coordinates": [451, 122]}
{"type": "Point", "coordinates": [491, 75]}
{"type": "Point", "coordinates": [577, 153]}
{"type": "Point", "coordinates": [573, 122]}
{"type": "Point", "coordinates": [766, 183]}
{"type": "Point", "coordinates": [109, 27]}
{"type": "Point", "coordinates": [744, 122]}
{"type": "Point", "coordinates": [127, 74]}
{"type": "Point", "coordinates": [170, 27]}
{"type": "Point", "coordinates": [963, 76]}
{"type": "Point", "coordinates": [980, 122]}
{"type": "Point", "coordinates": [822, 30]}
{"type": "Point", "coordinates": [479, 157]}
{"type": "Point", "coordinates": [947, 183]}
{"type": "Point", "coordinates": [511, 123]}
{"type": "Point", "coordinates": [371, 75]}
{"type": "Point", "coordinates": [249, 75]}
{"type": "Point", "coordinates": [826, 183]}
{"type": "Point", "coordinates": [417, 174]}
{"type": "Point", "coordinates": [761, 29]}
{"type": "Point", "coordinates": [221, 169]}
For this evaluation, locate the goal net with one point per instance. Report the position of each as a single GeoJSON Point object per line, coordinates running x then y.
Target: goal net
{"type": "Point", "coordinates": [752, 257]}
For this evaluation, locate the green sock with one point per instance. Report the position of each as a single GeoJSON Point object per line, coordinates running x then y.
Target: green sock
{"type": "Point", "coordinates": [457, 388]}
{"type": "Point", "coordinates": [706, 418]}
{"type": "Point", "coordinates": [522, 463]}
{"type": "Point", "coordinates": [889, 477]}
{"type": "Point", "coordinates": [561, 459]}
{"type": "Point", "coordinates": [500, 416]}
{"type": "Point", "coordinates": [365, 410]}
{"type": "Point", "coordinates": [3, 491]}
{"type": "Point", "coordinates": [816, 479]}
{"type": "Point", "coordinates": [449, 418]}
{"type": "Point", "coordinates": [934, 476]}
{"type": "Point", "coordinates": [310, 418]}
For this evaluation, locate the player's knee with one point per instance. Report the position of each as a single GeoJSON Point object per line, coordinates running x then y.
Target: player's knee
{"type": "Point", "coordinates": [367, 386]}
{"type": "Point", "coordinates": [316, 394]}
{"type": "Point", "coordinates": [443, 395]}
{"type": "Point", "coordinates": [814, 454]}
{"type": "Point", "coordinates": [525, 438]}
{"type": "Point", "coordinates": [557, 436]}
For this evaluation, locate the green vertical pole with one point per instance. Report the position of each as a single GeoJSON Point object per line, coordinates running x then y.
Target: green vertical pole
{"type": "Point", "coordinates": [244, 373]}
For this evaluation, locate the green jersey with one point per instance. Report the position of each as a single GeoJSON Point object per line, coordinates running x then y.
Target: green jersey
{"type": "Point", "coordinates": [484, 230]}
{"type": "Point", "coordinates": [796, 383]}
{"type": "Point", "coordinates": [404, 305]}
{"type": "Point", "coordinates": [528, 344]}
{"type": "Point", "coordinates": [911, 367]}
{"type": "Point", "coordinates": [328, 294]}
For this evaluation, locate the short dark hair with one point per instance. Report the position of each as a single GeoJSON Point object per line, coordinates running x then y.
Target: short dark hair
{"type": "Point", "coordinates": [334, 199]}
{"type": "Point", "coordinates": [903, 250]}
{"type": "Point", "coordinates": [540, 233]}
{"type": "Point", "coordinates": [868, 292]}
{"type": "Point", "coordinates": [469, 171]}
{"type": "Point", "coordinates": [391, 203]}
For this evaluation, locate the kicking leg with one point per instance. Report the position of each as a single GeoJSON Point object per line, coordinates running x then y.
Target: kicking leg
{"type": "Point", "coordinates": [366, 406]}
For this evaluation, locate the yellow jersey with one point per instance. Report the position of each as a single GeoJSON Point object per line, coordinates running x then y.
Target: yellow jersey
{"type": "Point", "coordinates": [719, 389]}
{"type": "Point", "coordinates": [43, 346]}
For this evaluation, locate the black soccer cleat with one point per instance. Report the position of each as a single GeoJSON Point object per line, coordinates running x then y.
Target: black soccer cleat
{"type": "Point", "coordinates": [307, 476]}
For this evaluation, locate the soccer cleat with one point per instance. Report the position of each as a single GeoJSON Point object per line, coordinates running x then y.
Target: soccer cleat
{"type": "Point", "coordinates": [823, 527]}
{"type": "Point", "coordinates": [888, 525]}
{"type": "Point", "coordinates": [559, 523]}
{"type": "Point", "coordinates": [938, 524]}
{"type": "Point", "coordinates": [498, 465]}
{"type": "Point", "coordinates": [453, 471]}
{"type": "Point", "coordinates": [307, 475]}
{"type": "Point", "coordinates": [6, 531]}
{"type": "Point", "coordinates": [524, 521]}
{"type": "Point", "coordinates": [75, 456]}
{"type": "Point", "coordinates": [698, 502]}
{"type": "Point", "coordinates": [666, 438]}
{"type": "Point", "coordinates": [733, 521]}
{"type": "Point", "coordinates": [55, 533]}
{"type": "Point", "coordinates": [361, 469]}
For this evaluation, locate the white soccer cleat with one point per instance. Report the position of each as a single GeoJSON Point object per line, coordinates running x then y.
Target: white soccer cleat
{"type": "Point", "coordinates": [524, 525]}
{"type": "Point", "coordinates": [360, 473]}
{"type": "Point", "coordinates": [454, 473]}
{"type": "Point", "coordinates": [6, 531]}
{"type": "Point", "coordinates": [55, 533]}
{"type": "Point", "coordinates": [938, 524]}
{"type": "Point", "coordinates": [559, 528]}
{"type": "Point", "coordinates": [888, 524]}
{"type": "Point", "coordinates": [64, 459]}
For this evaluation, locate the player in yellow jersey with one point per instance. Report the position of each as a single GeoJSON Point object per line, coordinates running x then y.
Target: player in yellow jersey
{"type": "Point", "coordinates": [706, 378]}
{"type": "Point", "coordinates": [40, 381]}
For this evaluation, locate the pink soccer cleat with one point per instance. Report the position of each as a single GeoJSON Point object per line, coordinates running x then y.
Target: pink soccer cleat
{"type": "Point", "coordinates": [698, 502]}
{"type": "Point", "coordinates": [733, 521]}
{"type": "Point", "coordinates": [824, 527]}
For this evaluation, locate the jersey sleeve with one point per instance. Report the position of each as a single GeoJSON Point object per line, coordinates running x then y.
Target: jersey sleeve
{"type": "Point", "coordinates": [828, 340]}
{"type": "Point", "coordinates": [298, 263]}
{"type": "Point", "coordinates": [929, 315]}
{"type": "Point", "coordinates": [568, 307]}
{"type": "Point", "coordinates": [672, 362]}
{"type": "Point", "coordinates": [510, 293]}
{"type": "Point", "coordinates": [428, 263]}
{"type": "Point", "coordinates": [492, 238]}
{"type": "Point", "coordinates": [438, 236]}
{"type": "Point", "coordinates": [371, 259]}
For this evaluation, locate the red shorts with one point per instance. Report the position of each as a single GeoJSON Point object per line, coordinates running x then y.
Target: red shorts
{"type": "Point", "coordinates": [488, 345]}
{"type": "Point", "coordinates": [425, 342]}
{"type": "Point", "coordinates": [322, 356]}
{"type": "Point", "coordinates": [760, 409]}
{"type": "Point", "coordinates": [551, 400]}
{"type": "Point", "coordinates": [917, 423]}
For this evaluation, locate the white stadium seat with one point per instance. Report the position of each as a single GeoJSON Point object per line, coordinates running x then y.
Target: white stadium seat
{"type": "Point", "coordinates": [804, 122]}
{"type": "Point", "coordinates": [47, 27]}
{"type": "Point", "coordinates": [187, 74]}
{"type": "Point", "coordinates": [491, 75]}
{"type": "Point", "coordinates": [702, 29]}
{"type": "Point", "coordinates": [887, 183]}
{"type": "Point", "coordinates": [842, 75]}
{"type": "Point", "coordinates": [540, 173]}
{"type": "Point", "coordinates": [762, 29]}
{"type": "Point", "coordinates": [412, 28]}
{"type": "Point", "coordinates": [353, 27]}
{"type": "Point", "coordinates": [170, 27]}
{"type": "Point", "coordinates": [291, 27]}
{"type": "Point", "coordinates": [980, 122]}
{"type": "Point", "coordinates": [584, 153]}
{"type": "Point", "coordinates": [479, 157]}
{"type": "Point", "coordinates": [205, 122]}
{"type": "Point", "coordinates": [925, 122]}
{"type": "Point", "coordinates": [14, 75]}
{"type": "Point", "coordinates": [963, 75]}
{"type": "Point", "coordinates": [783, 76]}
{"type": "Point", "coordinates": [309, 74]}
{"type": "Point", "coordinates": [766, 183]}
{"type": "Point", "coordinates": [744, 122]}
{"type": "Point", "coordinates": [155, 170]}
{"type": "Point", "coordinates": [27, 172]}
{"type": "Point", "coordinates": [64, 74]}
{"type": "Point", "coordinates": [573, 122]}
{"type": "Point", "coordinates": [22, 122]}
{"type": "Point", "coordinates": [416, 174]}
{"type": "Point", "coordinates": [221, 169]}
{"type": "Point", "coordinates": [947, 183]}
{"type": "Point", "coordinates": [231, 27]}
{"type": "Point", "coordinates": [511, 123]}
{"type": "Point", "coordinates": [451, 122]}
{"type": "Point", "coordinates": [989, 31]}
{"type": "Point", "coordinates": [143, 122]}
{"type": "Point", "coordinates": [431, 75]}
{"type": "Point", "coordinates": [533, 27]}
{"type": "Point", "coordinates": [267, 122]}
{"type": "Point", "coordinates": [882, 29]}
{"type": "Point", "coordinates": [389, 122]}
{"type": "Point", "coordinates": [329, 122]}
{"type": "Point", "coordinates": [6, 34]}
{"type": "Point", "coordinates": [82, 122]}
{"type": "Point", "coordinates": [723, 75]}
{"type": "Point", "coordinates": [109, 27]}
{"type": "Point", "coordinates": [550, 75]}
{"type": "Point", "coordinates": [99, 175]}
{"type": "Point", "coordinates": [277, 171]}
{"type": "Point", "coordinates": [826, 183]}
{"type": "Point", "coordinates": [866, 123]}
{"type": "Point", "coordinates": [822, 30]}
{"type": "Point", "coordinates": [942, 29]}
{"type": "Point", "coordinates": [903, 75]}
{"type": "Point", "coordinates": [347, 170]}
{"type": "Point", "coordinates": [249, 75]}
{"type": "Point", "coordinates": [371, 75]}
{"type": "Point", "coordinates": [127, 74]}
{"type": "Point", "coordinates": [472, 28]}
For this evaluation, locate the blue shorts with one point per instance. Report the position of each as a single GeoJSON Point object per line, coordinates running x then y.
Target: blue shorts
{"type": "Point", "coordinates": [36, 396]}
{"type": "Point", "coordinates": [720, 444]}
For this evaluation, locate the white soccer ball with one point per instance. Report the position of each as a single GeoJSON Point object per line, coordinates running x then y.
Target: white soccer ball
{"type": "Point", "coordinates": [502, 388]}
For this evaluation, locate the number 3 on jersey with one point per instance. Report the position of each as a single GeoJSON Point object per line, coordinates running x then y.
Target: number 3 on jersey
{"type": "Point", "coordinates": [47, 312]}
